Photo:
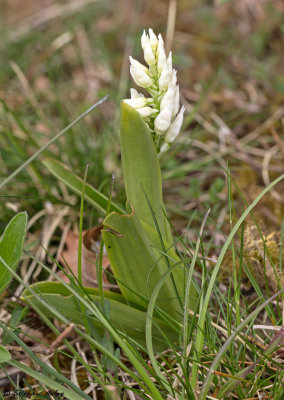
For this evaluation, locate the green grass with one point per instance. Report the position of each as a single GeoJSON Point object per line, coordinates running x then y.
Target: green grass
{"type": "Point", "coordinates": [230, 72]}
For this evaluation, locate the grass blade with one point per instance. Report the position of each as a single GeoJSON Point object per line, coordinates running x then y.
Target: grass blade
{"type": "Point", "coordinates": [42, 149]}
{"type": "Point", "coordinates": [200, 334]}
{"type": "Point", "coordinates": [93, 196]}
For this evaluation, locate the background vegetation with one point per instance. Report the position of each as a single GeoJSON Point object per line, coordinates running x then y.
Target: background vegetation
{"type": "Point", "coordinates": [60, 57]}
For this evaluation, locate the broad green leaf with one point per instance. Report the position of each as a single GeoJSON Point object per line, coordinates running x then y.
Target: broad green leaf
{"type": "Point", "coordinates": [75, 183]}
{"type": "Point", "coordinates": [4, 355]}
{"type": "Point", "coordinates": [141, 169]}
{"type": "Point", "coordinates": [123, 316]}
{"type": "Point", "coordinates": [179, 273]}
{"type": "Point", "coordinates": [11, 246]}
{"type": "Point", "coordinates": [138, 265]}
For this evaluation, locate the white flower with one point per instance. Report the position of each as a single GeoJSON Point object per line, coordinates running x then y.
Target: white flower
{"type": "Point", "coordinates": [153, 40]}
{"type": "Point", "coordinates": [161, 109]}
{"type": "Point", "coordinates": [163, 120]}
{"type": "Point", "coordinates": [169, 62]}
{"type": "Point", "coordinates": [169, 97]}
{"type": "Point", "coordinates": [146, 112]}
{"type": "Point", "coordinates": [149, 46]}
{"type": "Point", "coordinates": [176, 106]}
{"type": "Point", "coordinates": [161, 54]}
{"type": "Point", "coordinates": [165, 77]}
{"type": "Point", "coordinates": [134, 94]}
{"type": "Point", "coordinates": [164, 147]}
{"type": "Point", "coordinates": [140, 77]}
{"type": "Point", "coordinates": [140, 74]}
{"type": "Point", "coordinates": [174, 77]}
{"type": "Point", "coordinates": [144, 39]}
{"type": "Point", "coordinates": [138, 102]}
{"type": "Point", "coordinates": [138, 65]}
{"type": "Point", "coordinates": [148, 53]}
{"type": "Point", "coordinates": [174, 129]}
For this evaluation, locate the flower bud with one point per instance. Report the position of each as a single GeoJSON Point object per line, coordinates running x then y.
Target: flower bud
{"type": "Point", "coordinates": [165, 77]}
{"type": "Point", "coordinates": [164, 147]}
{"type": "Point", "coordinates": [174, 77]}
{"type": "Point", "coordinates": [144, 39]}
{"type": "Point", "coordinates": [139, 74]}
{"type": "Point", "coordinates": [134, 94]}
{"type": "Point", "coordinates": [148, 53]}
{"type": "Point", "coordinates": [146, 111]}
{"type": "Point", "coordinates": [140, 77]}
{"type": "Point", "coordinates": [175, 127]}
{"type": "Point", "coordinates": [138, 65]}
{"type": "Point", "coordinates": [176, 106]}
{"type": "Point", "coordinates": [163, 120]}
{"type": "Point", "coordinates": [169, 62]}
{"type": "Point", "coordinates": [153, 40]}
{"type": "Point", "coordinates": [162, 59]}
{"type": "Point", "coordinates": [169, 97]}
{"type": "Point", "coordinates": [138, 102]}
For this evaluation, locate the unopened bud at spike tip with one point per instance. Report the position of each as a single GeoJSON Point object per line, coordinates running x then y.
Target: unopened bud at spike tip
{"type": "Point", "coordinates": [153, 40]}
{"type": "Point", "coordinates": [148, 54]}
{"type": "Point", "coordinates": [143, 39]}
{"type": "Point", "coordinates": [162, 59]}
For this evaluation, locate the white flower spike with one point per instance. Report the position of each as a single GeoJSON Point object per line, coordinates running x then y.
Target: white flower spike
{"type": "Point", "coordinates": [162, 110]}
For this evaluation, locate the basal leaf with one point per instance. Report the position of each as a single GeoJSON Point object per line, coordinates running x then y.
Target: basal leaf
{"type": "Point", "coordinates": [4, 355]}
{"type": "Point", "coordinates": [123, 316]}
{"type": "Point", "coordinates": [75, 183]}
{"type": "Point", "coordinates": [141, 169]}
{"type": "Point", "coordinates": [138, 264]}
{"type": "Point", "coordinates": [11, 246]}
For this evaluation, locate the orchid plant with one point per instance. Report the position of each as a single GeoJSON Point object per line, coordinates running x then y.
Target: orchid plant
{"type": "Point", "coordinates": [137, 239]}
